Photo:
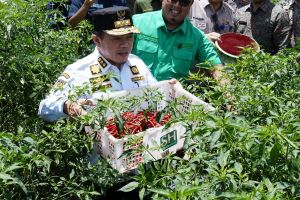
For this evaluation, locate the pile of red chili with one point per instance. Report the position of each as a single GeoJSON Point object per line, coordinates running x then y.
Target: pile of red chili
{"type": "Point", "coordinates": [134, 123]}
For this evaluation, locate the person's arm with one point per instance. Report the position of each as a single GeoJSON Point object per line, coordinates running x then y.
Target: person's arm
{"type": "Point", "coordinates": [52, 107]}
{"type": "Point", "coordinates": [212, 64]}
{"type": "Point", "coordinates": [213, 36]}
{"type": "Point", "coordinates": [81, 13]}
{"type": "Point", "coordinates": [56, 105]}
{"type": "Point", "coordinates": [218, 74]}
{"type": "Point", "coordinates": [282, 30]}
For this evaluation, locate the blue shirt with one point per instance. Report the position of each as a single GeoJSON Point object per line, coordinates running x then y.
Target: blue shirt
{"type": "Point", "coordinates": [76, 5]}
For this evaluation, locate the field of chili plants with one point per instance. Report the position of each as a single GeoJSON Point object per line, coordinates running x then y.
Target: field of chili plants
{"type": "Point", "coordinates": [249, 152]}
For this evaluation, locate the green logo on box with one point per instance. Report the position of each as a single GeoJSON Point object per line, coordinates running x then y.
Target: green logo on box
{"type": "Point", "coordinates": [168, 140]}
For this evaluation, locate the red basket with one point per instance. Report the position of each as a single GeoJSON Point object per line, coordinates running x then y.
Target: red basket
{"type": "Point", "coordinates": [232, 44]}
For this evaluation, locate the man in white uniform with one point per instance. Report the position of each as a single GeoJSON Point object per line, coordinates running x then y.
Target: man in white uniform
{"type": "Point", "coordinates": [110, 66]}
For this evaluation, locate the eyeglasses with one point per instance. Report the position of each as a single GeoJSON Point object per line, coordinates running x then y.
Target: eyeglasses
{"type": "Point", "coordinates": [181, 2]}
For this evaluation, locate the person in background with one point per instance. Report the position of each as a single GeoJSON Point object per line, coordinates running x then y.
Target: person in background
{"type": "Point", "coordinates": [293, 9]}
{"type": "Point", "coordinates": [236, 4]}
{"type": "Point", "coordinates": [58, 20]}
{"type": "Point", "coordinates": [170, 45]}
{"type": "Point", "coordinates": [265, 22]}
{"type": "Point", "coordinates": [82, 9]}
{"type": "Point", "coordinates": [213, 17]}
{"type": "Point", "coordinates": [142, 6]}
{"type": "Point", "coordinates": [113, 37]}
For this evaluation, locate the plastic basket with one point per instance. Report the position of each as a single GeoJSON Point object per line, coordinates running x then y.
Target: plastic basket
{"type": "Point", "coordinates": [154, 143]}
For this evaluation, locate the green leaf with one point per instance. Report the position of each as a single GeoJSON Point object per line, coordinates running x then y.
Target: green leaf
{"type": "Point", "coordinates": [13, 167]}
{"type": "Point", "coordinates": [165, 192]}
{"type": "Point", "coordinates": [129, 187]}
{"type": "Point", "coordinates": [188, 190]}
{"type": "Point", "coordinates": [275, 152]}
{"type": "Point", "coordinates": [5, 177]}
{"type": "Point", "coordinates": [29, 140]}
{"type": "Point", "coordinates": [72, 174]}
{"type": "Point", "coordinates": [142, 193]}
{"type": "Point", "coordinates": [21, 184]}
{"type": "Point", "coordinates": [238, 167]}
{"type": "Point", "coordinates": [214, 138]}
{"type": "Point", "coordinates": [222, 158]}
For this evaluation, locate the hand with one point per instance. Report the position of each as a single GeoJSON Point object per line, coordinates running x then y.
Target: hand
{"type": "Point", "coordinates": [89, 3]}
{"type": "Point", "coordinates": [87, 102]}
{"type": "Point", "coordinates": [217, 74]}
{"type": "Point", "coordinates": [75, 109]}
{"type": "Point", "coordinates": [173, 81]}
{"type": "Point", "coordinates": [213, 36]}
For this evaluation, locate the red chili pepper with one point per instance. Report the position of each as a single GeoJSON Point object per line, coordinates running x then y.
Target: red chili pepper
{"type": "Point", "coordinates": [128, 116]}
{"type": "Point", "coordinates": [166, 118]}
{"type": "Point", "coordinates": [151, 120]}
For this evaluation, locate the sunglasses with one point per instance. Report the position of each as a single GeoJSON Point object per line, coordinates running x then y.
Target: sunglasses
{"type": "Point", "coordinates": [181, 2]}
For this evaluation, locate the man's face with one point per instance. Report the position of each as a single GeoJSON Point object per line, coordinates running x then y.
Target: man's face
{"type": "Point", "coordinates": [215, 1]}
{"type": "Point", "coordinates": [174, 13]}
{"type": "Point", "coordinates": [115, 49]}
{"type": "Point", "coordinates": [258, 1]}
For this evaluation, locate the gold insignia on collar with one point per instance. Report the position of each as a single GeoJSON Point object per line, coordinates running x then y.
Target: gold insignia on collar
{"type": "Point", "coordinates": [95, 69]}
{"type": "Point", "coordinates": [137, 78]}
{"type": "Point", "coordinates": [102, 62]}
{"type": "Point", "coordinates": [134, 70]}
{"type": "Point", "coordinates": [67, 76]}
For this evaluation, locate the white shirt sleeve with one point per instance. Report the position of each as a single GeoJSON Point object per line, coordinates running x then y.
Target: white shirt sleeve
{"type": "Point", "coordinates": [51, 108]}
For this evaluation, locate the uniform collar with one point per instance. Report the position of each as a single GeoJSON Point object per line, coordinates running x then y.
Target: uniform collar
{"type": "Point", "coordinates": [103, 63]}
{"type": "Point", "coordinates": [265, 7]}
{"type": "Point", "coordinates": [160, 23]}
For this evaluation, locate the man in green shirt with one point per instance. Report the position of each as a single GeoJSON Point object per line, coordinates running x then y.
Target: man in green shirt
{"type": "Point", "coordinates": [170, 45]}
{"type": "Point", "coordinates": [142, 6]}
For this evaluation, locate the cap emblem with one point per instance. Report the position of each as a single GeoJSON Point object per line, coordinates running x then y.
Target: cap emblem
{"type": "Point", "coordinates": [121, 14]}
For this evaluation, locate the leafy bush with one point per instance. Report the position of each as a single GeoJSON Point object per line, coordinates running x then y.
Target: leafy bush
{"type": "Point", "coordinates": [249, 153]}
{"type": "Point", "coordinates": [32, 57]}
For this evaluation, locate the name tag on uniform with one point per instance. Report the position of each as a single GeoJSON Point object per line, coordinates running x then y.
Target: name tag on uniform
{"type": "Point", "coordinates": [138, 78]}
{"type": "Point", "coordinates": [99, 79]}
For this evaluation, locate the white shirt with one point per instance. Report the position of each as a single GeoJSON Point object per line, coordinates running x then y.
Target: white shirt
{"type": "Point", "coordinates": [201, 13]}
{"type": "Point", "coordinates": [91, 71]}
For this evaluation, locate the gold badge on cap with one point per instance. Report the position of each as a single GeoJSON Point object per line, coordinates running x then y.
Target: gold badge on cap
{"type": "Point", "coordinates": [121, 14]}
{"type": "Point", "coordinates": [138, 78]}
{"type": "Point", "coordinates": [102, 62]}
{"type": "Point", "coordinates": [121, 19]}
{"type": "Point", "coordinates": [95, 69]}
{"type": "Point", "coordinates": [134, 70]}
{"type": "Point", "coordinates": [122, 23]}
